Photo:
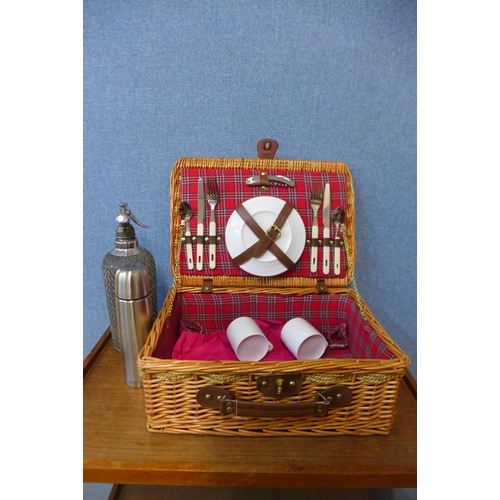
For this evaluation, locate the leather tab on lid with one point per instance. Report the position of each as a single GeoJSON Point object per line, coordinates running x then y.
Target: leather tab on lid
{"type": "Point", "coordinates": [207, 286]}
{"type": "Point", "coordinates": [321, 286]}
{"type": "Point", "coordinates": [266, 148]}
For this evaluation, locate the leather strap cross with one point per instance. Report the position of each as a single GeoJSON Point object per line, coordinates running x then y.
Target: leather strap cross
{"type": "Point", "coordinates": [266, 239]}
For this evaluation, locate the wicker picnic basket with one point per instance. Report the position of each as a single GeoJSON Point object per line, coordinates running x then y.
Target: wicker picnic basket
{"type": "Point", "coordinates": [351, 390]}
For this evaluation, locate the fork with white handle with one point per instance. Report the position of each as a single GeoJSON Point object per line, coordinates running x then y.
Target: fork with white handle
{"type": "Point", "coordinates": [212, 194]}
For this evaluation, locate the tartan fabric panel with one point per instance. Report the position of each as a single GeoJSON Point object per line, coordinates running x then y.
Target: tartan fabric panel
{"type": "Point", "coordinates": [233, 191]}
{"type": "Point", "coordinates": [169, 333]}
{"type": "Point", "coordinates": [215, 311]}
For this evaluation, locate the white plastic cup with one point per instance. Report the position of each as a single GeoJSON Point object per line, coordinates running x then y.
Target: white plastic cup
{"type": "Point", "coordinates": [247, 340]}
{"type": "Point", "coordinates": [303, 340]}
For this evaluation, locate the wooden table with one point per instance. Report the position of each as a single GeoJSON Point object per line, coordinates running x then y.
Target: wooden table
{"type": "Point", "coordinates": [118, 448]}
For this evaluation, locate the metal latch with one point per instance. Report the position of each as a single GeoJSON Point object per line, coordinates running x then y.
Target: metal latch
{"type": "Point", "coordinates": [281, 385]}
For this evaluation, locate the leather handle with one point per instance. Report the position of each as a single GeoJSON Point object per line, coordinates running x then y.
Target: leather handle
{"type": "Point", "coordinates": [245, 409]}
{"type": "Point", "coordinates": [225, 401]}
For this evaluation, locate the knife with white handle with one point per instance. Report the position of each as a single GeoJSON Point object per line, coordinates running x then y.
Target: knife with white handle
{"type": "Point", "coordinates": [326, 230]}
{"type": "Point", "coordinates": [199, 231]}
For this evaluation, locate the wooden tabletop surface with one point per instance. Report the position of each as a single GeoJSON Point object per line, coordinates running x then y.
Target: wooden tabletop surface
{"type": "Point", "coordinates": [118, 448]}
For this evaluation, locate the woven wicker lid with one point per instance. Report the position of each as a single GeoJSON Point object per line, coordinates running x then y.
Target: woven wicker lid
{"type": "Point", "coordinates": [231, 174]}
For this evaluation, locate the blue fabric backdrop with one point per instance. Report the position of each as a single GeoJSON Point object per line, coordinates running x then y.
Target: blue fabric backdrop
{"type": "Point", "coordinates": [329, 80]}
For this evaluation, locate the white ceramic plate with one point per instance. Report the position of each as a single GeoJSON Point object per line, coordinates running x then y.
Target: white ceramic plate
{"type": "Point", "coordinates": [265, 210]}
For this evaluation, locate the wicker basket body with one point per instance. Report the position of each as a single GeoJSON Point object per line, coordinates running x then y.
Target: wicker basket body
{"type": "Point", "coordinates": [370, 369]}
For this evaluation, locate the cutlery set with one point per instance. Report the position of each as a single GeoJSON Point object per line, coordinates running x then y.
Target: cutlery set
{"type": "Point", "coordinates": [317, 199]}
{"type": "Point", "coordinates": [208, 192]}
{"type": "Point", "coordinates": [186, 214]}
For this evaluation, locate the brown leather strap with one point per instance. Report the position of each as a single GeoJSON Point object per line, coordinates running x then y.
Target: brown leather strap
{"type": "Point", "coordinates": [266, 148]}
{"type": "Point", "coordinates": [273, 233]}
{"type": "Point", "coordinates": [207, 286]}
{"type": "Point", "coordinates": [263, 179]}
{"type": "Point", "coordinates": [266, 239]}
{"type": "Point", "coordinates": [244, 409]}
{"type": "Point", "coordinates": [321, 286]}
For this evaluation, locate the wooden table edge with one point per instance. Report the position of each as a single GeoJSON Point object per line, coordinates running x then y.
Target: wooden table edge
{"type": "Point", "coordinates": [92, 357]}
{"type": "Point", "coordinates": [404, 478]}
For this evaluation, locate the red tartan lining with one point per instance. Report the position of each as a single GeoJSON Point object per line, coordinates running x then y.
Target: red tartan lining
{"type": "Point", "coordinates": [234, 191]}
{"type": "Point", "coordinates": [216, 311]}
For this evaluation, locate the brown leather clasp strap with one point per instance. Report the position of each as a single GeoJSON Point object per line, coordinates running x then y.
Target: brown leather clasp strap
{"type": "Point", "coordinates": [263, 180]}
{"type": "Point", "coordinates": [266, 239]}
{"type": "Point", "coordinates": [207, 286]}
{"type": "Point", "coordinates": [266, 148]}
{"type": "Point", "coordinates": [225, 401]}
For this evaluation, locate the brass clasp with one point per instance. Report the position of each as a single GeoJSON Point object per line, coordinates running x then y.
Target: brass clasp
{"type": "Point", "coordinates": [279, 386]}
{"type": "Point", "coordinates": [274, 227]}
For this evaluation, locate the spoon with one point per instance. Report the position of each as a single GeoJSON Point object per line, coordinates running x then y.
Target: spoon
{"type": "Point", "coordinates": [186, 213]}
{"type": "Point", "coordinates": [338, 219]}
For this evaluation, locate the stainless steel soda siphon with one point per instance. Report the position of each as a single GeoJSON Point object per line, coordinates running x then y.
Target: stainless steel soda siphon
{"type": "Point", "coordinates": [126, 252]}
